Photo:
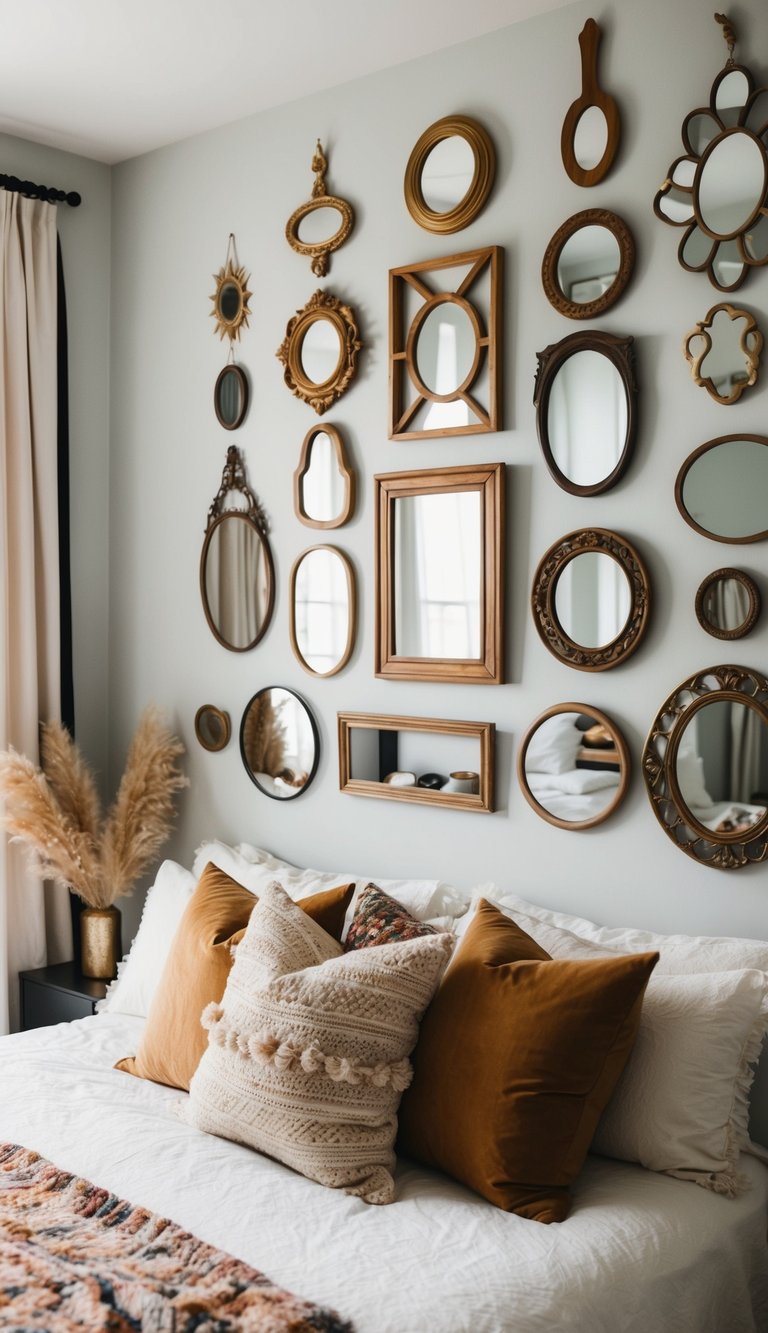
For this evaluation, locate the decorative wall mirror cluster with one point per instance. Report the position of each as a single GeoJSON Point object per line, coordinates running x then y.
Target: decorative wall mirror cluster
{"type": "Point", "coordinates": [573, 766]}
{"type": "Point", "coordinates": [230, 396]}
{"type": "Point", "coordinates": [445, 346]}
{"type": "Point", "coordinates": [705, 765]}
{"type": "Point", "coordinates": [591, 599]}
{"type": "Point", "coordinates": [323, 223]}
{"type": "Point", "coordinates": [320, 350]}
{"type": "Point", "coordinates": [728, 604]}
{"type": "Point", "coordinates": [592, 124]}
{"type": "Point", "coordinates": [237, 581]}
{"type": "Point", "coordinates": [440, 574]}
{"type": "Point", "coordinates": [323, 610]}
{"type": "Point", "coordinates": [586, 410]}
{"type": "Point", "coordinates": [588, 263]}
{"type": "Point", "coordinates": [212, 727]}
{"type": "Point", "coordinates": [449, 174]}
{"type": "Point", "coordinates": [279, 742]}
{"type": "Point", "coordinates": [323, 483]}
{"type": "Point", "coordinates": [230, 299]}
{"type": "Point", "coordinates": [718, 189]}
{"type": "Point", "coordinates": [722, 486]}
{"type": "Point", "coordinates": [427, 760]}
{"type": "Point", "coordinates": [723, 352]}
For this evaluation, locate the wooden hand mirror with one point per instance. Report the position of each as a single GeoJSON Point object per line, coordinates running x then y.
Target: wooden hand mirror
{"type": "Point", "coordinates": [592, 124]}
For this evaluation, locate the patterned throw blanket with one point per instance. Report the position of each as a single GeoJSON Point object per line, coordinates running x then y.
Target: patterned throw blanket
{"type": "Point", "coordinates": [73, 1256]}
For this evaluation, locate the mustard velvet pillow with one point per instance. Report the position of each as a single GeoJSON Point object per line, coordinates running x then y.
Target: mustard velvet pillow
{"type": "Point", "coordinates": [197, 970]}
{"type": "Point", "coordinates": [517, 1056]}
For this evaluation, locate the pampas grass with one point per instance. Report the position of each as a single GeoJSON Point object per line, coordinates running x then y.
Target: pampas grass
{"type": "Point", "coordinates": [55, 810]}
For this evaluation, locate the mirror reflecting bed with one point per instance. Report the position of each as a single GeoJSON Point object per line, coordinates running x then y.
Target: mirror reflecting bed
{"type": "Point", "coordinates": [323, 483]}
{"type": "Point", "coordinates": [721, 765]}
{"type": "Point", "coordinates": [573, 766]}
{"type": "Point", "coordinates": [279, 743]}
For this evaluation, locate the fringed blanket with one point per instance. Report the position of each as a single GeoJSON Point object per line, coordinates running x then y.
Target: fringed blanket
{"type": "Point", "coordinates": [73, 1256]}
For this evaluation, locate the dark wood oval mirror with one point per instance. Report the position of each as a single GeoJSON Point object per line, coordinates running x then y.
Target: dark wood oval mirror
{"type": "Point", "coordinates": [449, 174]}
{"type": "Point", "coordinates": [573, 766]}
{"type": "Point", "coordinates": [322, 610]}
{"type": "Point", "coordinates": [279, 742]}
{"type": "Point", "coordinates": [237, 581]}
{"type": "Point", "coordinates": [722, 486]}
{"type": "Point", "coordinates": [212, 727]}
{"type": "Point", "coordinates": [586, 410]}
{"type": "Point", "coordinates": [588, 263]}
{"type": "Point", "coordinates": [230, 396]}
{"type": "Point", "coordinates": [728, 604]}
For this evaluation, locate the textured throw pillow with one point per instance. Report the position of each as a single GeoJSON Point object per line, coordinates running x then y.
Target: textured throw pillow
{"type": "Point", "coordinates": [139, 973]}
{"type": "Point", "coordinates": [197, 968]}
{"type": "Point", "coordinates": [308, 1050]}
{"type": "Point", "coordinates": [379, 919]}
{"type": "Point", "coordinates": [517, 1056]}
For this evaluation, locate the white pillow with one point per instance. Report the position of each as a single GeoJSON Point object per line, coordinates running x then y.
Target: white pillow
{"type": "Point", "coordinates": [554, 745]}
{"type": "Point", "coordinates": [139, 972]}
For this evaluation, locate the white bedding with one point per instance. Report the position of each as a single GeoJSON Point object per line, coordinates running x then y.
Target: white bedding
{"type": "Point", "coordinates": [576, 795]}
{"type": "Point", "coordinates": [640, 1253]}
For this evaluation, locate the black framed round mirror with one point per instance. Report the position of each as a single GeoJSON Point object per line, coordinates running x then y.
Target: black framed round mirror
{"type": "Point", "coordinates": [573, 766]}
{"type": "Point", "coordinates": [279, 742]}
{"type": "Point", "coordinates": [728, 604]}
{"type": "Point", "coordinates": [237, 582]}
{"type": "Point", "coordinates": [588, 263]}
{"type": "Point", "coordinates": [230, 396]}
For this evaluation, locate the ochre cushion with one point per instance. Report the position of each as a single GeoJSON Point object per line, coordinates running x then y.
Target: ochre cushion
{"type": "Point", "coordinates": [517, 1056]}
{"type": "Point", "coordinates": [197, 969]}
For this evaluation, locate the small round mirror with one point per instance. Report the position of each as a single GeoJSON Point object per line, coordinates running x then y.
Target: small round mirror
{"type": "Point", "coordinates": [447, 173]}
{"type": "Point", "coordinates": [588, 263]}
{"type": "Point", "coordinates": [320, 225]}
{"type": "Point", "coordinates": [279, 743]}
{"type": "Point", "coordinates": [591, 138]}
{"type": "Point", "coordinates": [722, 486]}
{"type": "Point", "coordinates": [446, 348]}
{"type": "Point", "coordinates": [230, 397]}
{"type": "Point", "coordinates": [573, 766]}
{"type": "Point", "coordinates": [731, 184]}
{"type": "Point", "coordinates": [322, 610]}
{"type": "Point", "coordinates": [212, 727]}
{"type": "Point", "coordinates": [593, 599]}
{"type": "Point", "coordinates": [728, 604]}
{"type": "Point", "coordinates": [320, 351]}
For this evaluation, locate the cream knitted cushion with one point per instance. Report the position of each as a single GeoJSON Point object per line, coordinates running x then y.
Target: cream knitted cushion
{"type": "Point", "coordinates": [308, 1050]}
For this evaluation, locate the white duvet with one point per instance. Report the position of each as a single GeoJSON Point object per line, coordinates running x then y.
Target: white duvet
{"type": "Point", "coordinates": [640, 1253]}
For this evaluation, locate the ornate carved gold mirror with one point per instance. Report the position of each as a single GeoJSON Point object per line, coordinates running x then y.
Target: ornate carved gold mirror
{"type": "Point", "coordinates": [230, 299]}
{"type": "Point", "coordinates": [573, 766]}
{"type": "Point", "coordinates": [279, 742]}
{"type": "Point", "coordinates": [320, 350]}
{"type": "Point", "coordinates": [705, 765]}
{"type": "Point", "coordinates": [449, 174]}
{"type": "Point", "coordinates": [230, 396]}
{"type": "Point", "coordinates": [588, 263]}
{"type": "Point", "coordinates": [718, 189]}
{"type": "Point", "coordinates": [592, 125]}
{"type": "Point", "coordinates": [212, 727]}
{"type": "Point", "coordinates": [323, 223]}
{"type": "Point", "coordinates": [591, 599]}
{"type": "Point", "coordinates": [237, 582]}
{"type": "Point", "coordinates": [722, 486]}
{"type": "Point", "coordinates": [728, 604]}
{"type": "Point", "coordinates": [445, 346]}
{"type": "Point", "coordinates": [323, 483]}
{"type": "Point", "coordinates": [723, 352]}
{"type": "Point", "coordinates": [323, 610]}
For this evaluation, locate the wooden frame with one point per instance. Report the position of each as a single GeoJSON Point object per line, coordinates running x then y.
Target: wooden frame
{"type": "Point", "coordinates": [351, 609]}
{"type": "Point", "coordinates": [348, 504]}
{"type": "Point", "coordinates": [728, 850]}
{"type": "Point", "coordinates": [545, 618]}
{"type": "Point", "coordinates": [753, 610]}
{"type": "Point", "coordinates": [680, 486]}
{"type": "Point", "coordinates": [591, 95]}
{"type": "Point", "coordinates": [620, 353]}
{"type": "Point", "coordinates": [481, 144]}
{"type": "Point", "coordinates": [589, 217]}
{"type": "Point", "coordinates": [485, 732]}
{"type": "Point", "coordinates": [222, 717]}
{"type": "Point", "coordinates": [621, 749]}
{"type": "Point", "coordinates": [404, 378]}
{"type": "Point", "coordinates": [242, 380]}
{"type": "Point", "coordinates": [489, 481]}
{"type": "Point", "coordinates": [320, 251]}
{"type": "Point", "coordinates": [750, 340]}
{"type": "Point", "coordinates": [233, 479]}
{"type": "Point", "coordinates": [234, 276]}
{"type": "Point", "coordinates": [321, 306]}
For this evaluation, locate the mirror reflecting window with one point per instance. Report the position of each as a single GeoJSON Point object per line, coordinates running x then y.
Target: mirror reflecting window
{"type": "Point", "coordinates": [323, 483]}
{"type": "Point", "coordinates": [279, 743]}
{"type": "Point", "coordinates": [449, 174]}
{"type": "Point", "coordinates": [212, 727]}
{"type": "Point", "coordinates": [588, 263]}
{"type": "Point", "coordinates": [230, 397]}
{"type": "Point", "coordinates": [447, 349]}
{"type": "Point", "coordinates": [322, 610]}
{"type": "Point", "coordinates": [319, 351]}
{"type": "Point", "coordinates": [573, 766]}
{"type": "Point", "coordinates": [236, 573]}
{"type": "Point", "coordinates": [723, 351]}
{"type": "Point", "coordinates": [593, 599]}
{"type": "Point", "coordinates": [722, 486]}
{"type": "Point", "coordinates": [426, 760]}
{"type": "Point", "coordinates": [728, 604]}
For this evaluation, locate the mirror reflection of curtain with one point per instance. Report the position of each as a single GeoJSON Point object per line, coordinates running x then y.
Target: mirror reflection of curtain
{"type": "Point", "coordinates": [322, 481]}
{"type": "Point", "coordinates": [728, 604]}
{"type": "Point", "coordinates": [448, 360]}
{"type": "Point", "coordinates": [322, 610]}
{"type": "Point", "coordinates": [587, 417]}
{"type": "Point", "coordinates": [438, 570]}
{"type": "Point", "coordinates": [747, 736]}
{"type": "Point", "coordinates": [234, 579]}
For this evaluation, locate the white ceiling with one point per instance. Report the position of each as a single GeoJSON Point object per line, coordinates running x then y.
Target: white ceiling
{"type": "Point", "coordinates": [113, 78]}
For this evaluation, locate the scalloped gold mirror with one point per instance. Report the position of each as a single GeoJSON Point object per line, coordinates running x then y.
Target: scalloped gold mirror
{"type": "Point", "coordinates": [230, 299]}
{"type": "Point", "coordinates": [573, 766]}
{"type": "Point", "coordinates": [237, 582]}
{"type": "Point", "coordinates": [323, 610]}
{"type": "Point", "coordinates": [323, 223]}
{"type": "Point", "coordinates": [723, 351]}
{"type": "Point", "coordinates": [588, 263]}
{"type": "Point", "coordinates": [320, 350]}
{"type": "Point", "coordinates": [324, 482]}
{"type": "Point", "coordinates": [450, 174]}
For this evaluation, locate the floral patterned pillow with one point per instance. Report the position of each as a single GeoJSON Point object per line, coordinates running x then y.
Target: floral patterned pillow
{"type": "Point", "coordinates": [380, 919]}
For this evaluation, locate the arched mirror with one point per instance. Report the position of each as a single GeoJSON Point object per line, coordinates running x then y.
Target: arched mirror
{"type": "Point", "coordinates": [320, 350]}
{"type": "Point", "coordinates": [212, 727]}
{"type": "Point", "coordinates": [449, 174]}
{"type": "Point", "coordinates": [728, 604]}
{"type": "Point", "coordinates": [323, 483]}
{"type": "Point", "coordinates": [236, 573]}
{"type": "Point", "coordinates": [723, 352]}
{"type": "Point", "coordinates": [323, 610]}
{"type": "Point", "coordinates": [573, 766]}
{"type": "Point", "coordinates": [592, 125]}
{"type": "Point", "coordinates": [722, 486]}
{"type": "Point", "coordinates": [323, 223]}
{"type": "Point", "coordinates": [590, 600]}
{"type": "Point", "coordinates": [230, 299]}
{"type": "Point", "coordinates": [706, 766]}
{"type": "Point", "coordinates": [586, 410]}
{"type": "Point", "coordinates": [230, 396]}
{"type": "Point", "coordinates": [588, 263]}
{"type": "Point", "coordinates": [279, 742]}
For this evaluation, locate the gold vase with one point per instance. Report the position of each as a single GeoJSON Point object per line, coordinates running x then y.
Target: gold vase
{"type": "Point", "coordinates": [100, 947]}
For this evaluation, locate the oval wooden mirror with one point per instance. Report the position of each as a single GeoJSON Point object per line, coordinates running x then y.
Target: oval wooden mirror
{"type": "Point", "coordinates": [588, 263]}
{"type": "Point", "coordinates": [705, 764]}
{"type": "Point", "coordinates": [323, 223]}
{"type": "Point", "coordinates": [573, 766]}
{"type": "Point", "coordinates": [230, 299]}
{"type": "Point", "coordinates": [721, 489]}
{"type": "Point", "coordinates": [723, 352]}
{"type": "Point", "coordinates": [586, 410]}
{"type": "Point", "coordinates": [592, 125]}
{"type": "Point", "coordinates": [591, 599]}
{"type": "Point", "coordinates": [323, 483]}
{"type": "Point", "coordinates": [728, 604]}
{"type": "Point", "coordinates": [230, 396]}
{"type": "Point", "coordinates": [449, 174]}
{"type": "Point", "coordinates": [237, 582]}
{"type": "Point", "coordinates": [279, 742]}
{"type": "Point", "coordinates": [320, 350]}
{"type": "Point", "coordinates": [323, 610]}
{"type": "Point", "coordinates": [212, 727]}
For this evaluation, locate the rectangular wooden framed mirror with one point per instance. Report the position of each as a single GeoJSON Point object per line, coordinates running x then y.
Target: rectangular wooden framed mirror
{"type": "Point", "coordinates": [388, 757]}
{"type": "Point", "coordinates": [440, 574]}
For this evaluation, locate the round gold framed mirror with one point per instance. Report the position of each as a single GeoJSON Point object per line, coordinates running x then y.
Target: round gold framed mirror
{"type": "Point", "coordinates": [279, 743]}
{"type": "Point", "coordinates": [230, 396]}
{"type": "Point", "coordinates": [573, 766]}
{"type": "Point", "coordinates": [237, 581]}
{"type": "Point", "coordinates": [322, 605]}
{"type": "Point", "coordinates": [728, 604]}
{"type": "Point", "coordinates": [450, 174]}
{"type": "Point", "coordinates": [212, 727]}
{"type": "Point", "coordinates": [319, 351]}
{"type": "Point", "coordinates": [588, 263]}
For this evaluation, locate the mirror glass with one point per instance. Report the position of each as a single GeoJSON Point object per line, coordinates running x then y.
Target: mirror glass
{"type": "Point", "coordinates": [279, 743]}
{"type": "Point", "coordinates": [573, 767]}
{"type": "Point", "coordinates": [446, 348]}
{"type": "Point", "coordinates": [587, 418]}
{"type": "Point", "coordinates": [321, 612]}
{"type": "Point", "coordinates": [323, 484]}
{"type": "Point", "coordinates": [230, 397]}
{"type": "Point", "coordinates": [438, 550]}
{"type": "Point", "coordinates": [320, 351]}
{"type": "Point", "coordinates": [732, 92]}
{"type": "Point", "coordinates": [732, 183]}
{"type": "Point", "coordinates": [721, 765]}
{"type": "Point", "coordinates": [723, 490]}
{"type": "Point", "coordinates": [447, 173]}
{"type": "Point", "coordinates": [593, 599]}
{"type": "Point", "coordinates": [229, 300]}
{"type": "Point", "coordinates": [588, 264]}
{"type": "Point", "coordinates": [319, 224]}
{"type": "Point", "coordinates": [212, 727]}
{"type": "Point", "coordinates": [591, 138]}
{"type": "Point", "coordinates": [237, 580]}
{"type": "Point", "coordinates": [726, 603]}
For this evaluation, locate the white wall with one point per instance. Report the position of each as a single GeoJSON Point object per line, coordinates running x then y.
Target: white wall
{"type": "Point", "coordinates": [173, 210]}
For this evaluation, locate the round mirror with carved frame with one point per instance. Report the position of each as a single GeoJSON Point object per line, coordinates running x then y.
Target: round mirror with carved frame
{"type": "Point", "coordinates": [704, 765]}
{"type": "Point", "coordinates": [454, 149]}
{"type": "Point", "coordinates": [319, 351]}
{"type": "Point", "coordinates": [588, 263]}
{"type": "Point", "coordinates": [573, 766]}
{"type": "Point", "coordinates": [724, 358]}
{"type": "Point", "coordinates": [237, 581]}
{"type": "Point", "coordinates": [312, 229]}
{"type": "Point", "coordinates": [212, 727]}
{"type": "Point", "coordinates": [728, 604]}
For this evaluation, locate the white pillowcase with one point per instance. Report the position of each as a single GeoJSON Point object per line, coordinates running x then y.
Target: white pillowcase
{"type": "Point", "coordinates": [554, 745]}
{"type": "Point", "coordinates": [139, 972]}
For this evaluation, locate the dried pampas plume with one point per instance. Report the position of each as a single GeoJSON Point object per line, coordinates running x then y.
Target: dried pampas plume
{"type": "Point", "coordinates": [55, 809]}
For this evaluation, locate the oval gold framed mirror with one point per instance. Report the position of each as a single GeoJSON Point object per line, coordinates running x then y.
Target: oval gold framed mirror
{"type": "Point", "coordinates": [237, 582]}
{"type": "Point", "coordinates": [728, 604]}
{"type": "Point", "coordinates": [723, 351]}
{"type": "Point", "coordinates": [230, 299]}
{"type": "Point", "coordinates": [323, 223]}
{"type": "Point", "coordinates": [212, 727]}
{"type": "Point", "coordinates": [450, 174]}
{"type": "Point", "coordinates": [279, 742]}
{"type": "Point", "coordinates": [319, 351]}
{"type": "Point", "coordinates": [705, 764]}
{"type": "Point", "coordinates": [323, 610]}
{"type": "Point", "coordinates": [573, 766]}
{"type": "Point", "coordinates": [591, 599]}
{"type": "Point", "coordinates": [230, 396]}
{"type": "Point", "coordinates": [720, 490]}
{"type": "Point", "coordinates": [324, 482]}
{"type": "Point", "coordinates": [588, 263]}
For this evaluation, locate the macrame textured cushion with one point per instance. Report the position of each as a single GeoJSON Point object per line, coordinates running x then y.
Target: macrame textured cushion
{"type": "Point", "coordinates": [380, 919]}
{"type": "Point", "coordinates": [308, 1049]}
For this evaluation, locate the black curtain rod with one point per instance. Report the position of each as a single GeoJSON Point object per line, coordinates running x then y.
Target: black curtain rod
{"type": "Point", "coordinates": [45, 192]}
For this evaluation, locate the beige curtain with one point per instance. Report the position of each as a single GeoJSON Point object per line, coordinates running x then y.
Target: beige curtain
{"type": "Point", "coordinates": [34, 922]}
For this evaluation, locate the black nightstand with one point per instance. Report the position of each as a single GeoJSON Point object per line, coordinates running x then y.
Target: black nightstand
{"type": "Point", "coordinates": [57, 995]}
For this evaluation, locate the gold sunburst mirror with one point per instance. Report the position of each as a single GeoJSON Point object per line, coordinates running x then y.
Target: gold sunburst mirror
{"type": "Point", "coordinates": [230, 299]}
